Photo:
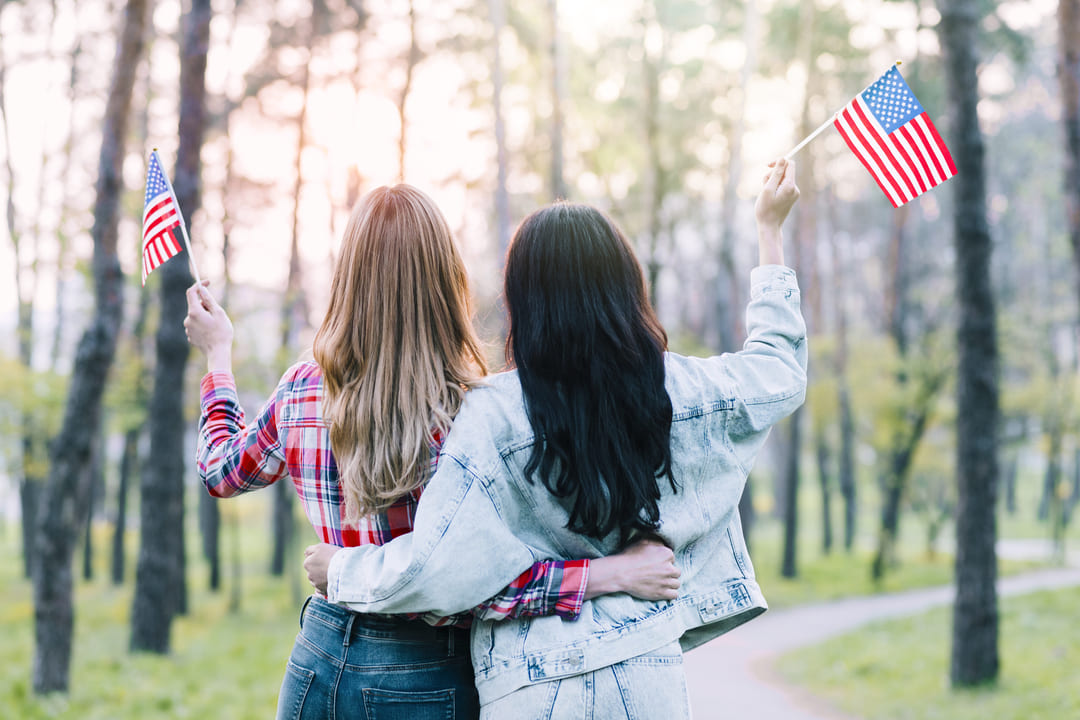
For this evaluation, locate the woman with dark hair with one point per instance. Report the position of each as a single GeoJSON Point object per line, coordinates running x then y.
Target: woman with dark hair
{"type": "Point", "coordinates": [597, 438]}
{"type": "Point", "coordinates": [357, 431]}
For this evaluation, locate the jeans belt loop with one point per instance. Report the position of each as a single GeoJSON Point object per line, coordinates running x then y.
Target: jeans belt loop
{"type": "Point", "coordinates": [304, 608]}
{"type": "Point", "coordinates": [348, 628]}
{"type": "Point", "coordinates": [450, 643]}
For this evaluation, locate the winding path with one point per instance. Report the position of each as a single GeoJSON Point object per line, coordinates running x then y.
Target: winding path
{"type": "Point", "coordinates": [732, 677]}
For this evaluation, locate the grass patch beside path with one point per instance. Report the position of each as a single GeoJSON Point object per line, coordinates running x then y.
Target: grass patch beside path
{"type": "Point", "coordinates": [222, 664]}
{"type": "Point", "coordinates": [899, 670]}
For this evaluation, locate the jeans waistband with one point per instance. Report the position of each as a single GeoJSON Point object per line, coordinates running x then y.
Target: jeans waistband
{"type": "Point", "coordinates": [353, 624]}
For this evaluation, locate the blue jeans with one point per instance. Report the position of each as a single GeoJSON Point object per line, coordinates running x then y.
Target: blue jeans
{"type": "Point", "coordinates": [645, 687]}
{"type": "Point", "coordinates": [352, 666]}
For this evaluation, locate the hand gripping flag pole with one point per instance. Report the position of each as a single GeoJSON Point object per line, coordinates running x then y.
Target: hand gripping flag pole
{"type": "Point", "coordinates": [161, 215]}
{"type": "Point", "coordinates": [893, 137]}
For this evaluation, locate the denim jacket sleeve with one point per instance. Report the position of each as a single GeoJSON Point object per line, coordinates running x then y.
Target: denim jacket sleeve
{"type": "Point", "coordinates": [459, 554]}
{"type": "Point", "coordinates": [766, 380]}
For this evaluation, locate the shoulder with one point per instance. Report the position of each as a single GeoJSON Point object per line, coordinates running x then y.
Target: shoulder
{"type": "Point", "coordinates": [302, 381]}
{"type": "Point", "coordinates": [696, 385]}
{"type": "Point", "coordinates": [492, 416]}
{"type": "Point", "coordinates": [303, 373]}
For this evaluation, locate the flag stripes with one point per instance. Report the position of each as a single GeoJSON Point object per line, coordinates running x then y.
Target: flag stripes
{"type": "Point", "coordinates": [909, 160]}
{"type": "Point", "coordinates": [161, 216]}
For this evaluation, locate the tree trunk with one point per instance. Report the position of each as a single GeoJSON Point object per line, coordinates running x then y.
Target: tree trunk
{"type": "Point", "coordinates": [747, 515]}
{"type": "Point", "coordinates": [31, 445]}
{"type": "Point", "coordinates": [29, 494]}
{"type": "Point", "coordinates": [209, 529]}
{"type": "Point", "coordinates": [294, 315]}
{"type": "Point", "coordinates": [1069, 79]}
{"type": "Point", "coordinates": [411, 60]}
{"type": "Point", "coordinates": [825, 477]}
{"type": "Point", "coordinates": [65, 492]}
{"type": "Point", "coordinates": [846, 475]}
{"type": "Point", "coordinates": [729, 293]}
{"type": "Point", "coordinates": [160, 587]}
{"type": "Point", "coordinates": [558, 93]}
{"type": "Point", "coordinates": [502, 197]}
{"type": "Point", "coordinates": [1012, 469]}
{"type": "Point", "coordinates": [128, 468]}
{"type": "Point", "coordinates": [975, 614]}
{"type": "Point", "coordinates": [789, 561]}
{"type": "Point", "coordinates": [96, 470]}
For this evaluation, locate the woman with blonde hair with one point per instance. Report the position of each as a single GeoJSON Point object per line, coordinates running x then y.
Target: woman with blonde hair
{"type": "Point", "coordinates": [358, 431]}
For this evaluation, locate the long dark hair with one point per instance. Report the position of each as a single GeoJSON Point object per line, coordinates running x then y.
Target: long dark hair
{"type": "Point", "coordinates": [589, 351]}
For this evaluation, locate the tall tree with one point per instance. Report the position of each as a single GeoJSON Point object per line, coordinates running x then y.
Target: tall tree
{"type": "Point", "coordinates": [729, 293]}
{"type": "Point", "coordinates": [294, 308]}
{"type": "Point", "coordinates": [497, 14]}
{"type": "Point", "coordinates": [1068, 13]}
{"type": "Point", "coordinates": [556, 56]}
{"type": "Point", "coordinates": [160, 589]}
{"type": "Point", "coordinates": [65, 491]}
{"type": "Point", "coordinates": [975, 613]}
{"type": "Point", "coordinates": [412, 59]}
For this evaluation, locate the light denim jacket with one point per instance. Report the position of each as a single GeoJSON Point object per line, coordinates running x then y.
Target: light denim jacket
{"type": "Point", "coordinates": [480, 522]}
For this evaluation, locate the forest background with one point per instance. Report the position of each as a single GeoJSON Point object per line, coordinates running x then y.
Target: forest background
{"type": "Point", "coordinates": [273, 117]}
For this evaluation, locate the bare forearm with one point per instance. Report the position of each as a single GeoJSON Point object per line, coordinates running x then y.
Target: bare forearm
{"type": "Point", "coordinates": [770, 245]}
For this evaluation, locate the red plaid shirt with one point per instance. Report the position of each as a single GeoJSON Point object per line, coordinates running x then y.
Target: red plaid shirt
{"type": "Point", "coordinates": [290, 439]}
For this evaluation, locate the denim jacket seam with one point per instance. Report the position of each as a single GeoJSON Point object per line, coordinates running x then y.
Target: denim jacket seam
{"type": "Point", "coordinates": [700, 411]}
{"type": "Point", "coordinates": [775, 398]}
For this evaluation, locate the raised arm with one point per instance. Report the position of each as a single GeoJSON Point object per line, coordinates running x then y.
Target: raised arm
{"type": "Point", "coordinates": [231, 457]}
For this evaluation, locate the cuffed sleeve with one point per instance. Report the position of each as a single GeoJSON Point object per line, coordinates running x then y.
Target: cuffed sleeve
{"type": "Point", "coordinates": [553, 587]}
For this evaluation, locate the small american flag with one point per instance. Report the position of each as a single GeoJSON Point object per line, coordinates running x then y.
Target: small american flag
{"type": "Point", "coordinates": [891, 134]}
{"type": "Point", "coordinates": [161, 216]}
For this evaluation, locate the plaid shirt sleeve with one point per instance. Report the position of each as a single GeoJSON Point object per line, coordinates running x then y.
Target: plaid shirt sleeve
{"type": "Point", "coordinates": [233, 458]}
{"type": "Point", "coordinates": [552, 587]}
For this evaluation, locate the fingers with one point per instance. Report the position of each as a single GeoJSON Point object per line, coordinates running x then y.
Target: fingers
{"type": "Point", "coordinates": [776, 176]}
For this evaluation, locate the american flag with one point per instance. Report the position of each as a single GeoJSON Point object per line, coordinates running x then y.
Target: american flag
{"type": "Point", "coordinates": [891, 134]}
{"type": "Point", "coordinates": [161, 216]}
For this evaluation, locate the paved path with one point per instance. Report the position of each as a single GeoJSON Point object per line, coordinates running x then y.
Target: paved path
{"type": "Point", "coordinates": [731, 677]}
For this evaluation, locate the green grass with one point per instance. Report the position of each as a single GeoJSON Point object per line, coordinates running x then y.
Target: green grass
{"type": "Point", "coordinates": [222, 664]}
{"type": "Point", "coordinates": [899, 670]}
{"type": "Point", "coordinates": [229, 664]}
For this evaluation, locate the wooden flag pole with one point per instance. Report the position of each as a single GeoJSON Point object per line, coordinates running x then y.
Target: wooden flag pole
{"type": "Point", "coordinates": [811, 136]}
{"type": "Point", "coordinates": [183, 225]}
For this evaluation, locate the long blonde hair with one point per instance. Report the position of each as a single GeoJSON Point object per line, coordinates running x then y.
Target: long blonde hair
{"type": "Point", "coordinates": [397, 347]}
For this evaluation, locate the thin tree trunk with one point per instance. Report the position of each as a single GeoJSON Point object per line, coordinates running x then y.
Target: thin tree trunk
{"type": "Point", "coordinates": [558, 93]}
{"type": "Point", "coordinates": [657, 176]}
{"type": "Point", "coordinates": [975, 614]}
{"type": "Point", "coordinates": [895, 480]}
{"type": "Point", "coordinates": [790, 478]}
{"type": "Point", "coordinates": [160, 587]}
{"type": "Point", "coordinates": [825, 477]}
{"type": "Point", "coordinates": [502, 197]}
{"type": "Point", "coordinates": [60, 316]}
{"type": "Point", "coordinates": [1069, 78]}
{"type": "Point", "coordinates": [846, 461]}
{"type": "Point", "coordinates": [747, 514]}
{"type": "Point", "coordinates": [65, 491]}
{"type": "Point", "coordinates": [411, 61]}
{"type": "Point", "coordinates": [96, 470]}
{"type": "Point", "coordinates": [293, 318]}
{"type": "Point", "coordinates": [729, 291]}
{"type": "Point", "coordinates": [31, 445]}
{"type": "Point", "coordinates": [1011, 471]}
{"type": "Point", "coordinates": [128, 469]}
